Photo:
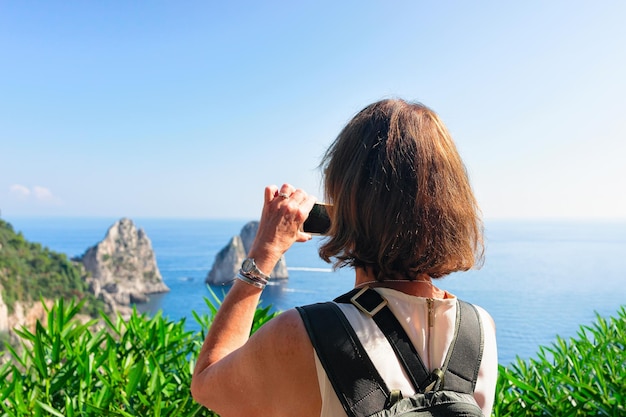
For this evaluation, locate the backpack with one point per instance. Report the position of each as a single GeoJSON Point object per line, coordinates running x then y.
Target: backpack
{"type": "Point", "coordinates": [447, 391]}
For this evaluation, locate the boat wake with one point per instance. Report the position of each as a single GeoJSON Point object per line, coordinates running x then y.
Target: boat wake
{"type": "Point", "coordinates": [308, 269]}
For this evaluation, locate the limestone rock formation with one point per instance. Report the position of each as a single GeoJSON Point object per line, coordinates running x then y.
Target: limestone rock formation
{"type": "Point", "coordinates": [4, 314]}
{"type": "Point", "coordinates": [25, 314]}
{"type": "Point", "coordinates": [228, 260]}
{"type": "Point", "coordinates": [123, 268]}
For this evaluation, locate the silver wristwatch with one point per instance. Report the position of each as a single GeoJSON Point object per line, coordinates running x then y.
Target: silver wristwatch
{"type": "Point", "coordinates": [248, 267]}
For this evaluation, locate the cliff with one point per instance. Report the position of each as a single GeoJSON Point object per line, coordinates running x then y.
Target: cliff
{"type": "Point", "coordinates": [23, 313]}
{"type": "Point", "coordinates": [28, 272]}
{"type": "Point", "coordinates": [228, 260]}
{"type": "Point", "coordinates": [4, 314]}
{"type": "Point", "coordinates": [122, 267]}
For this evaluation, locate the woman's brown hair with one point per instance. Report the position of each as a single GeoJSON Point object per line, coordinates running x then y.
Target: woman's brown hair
{"type": "Point", "coordinates": [402, 202]}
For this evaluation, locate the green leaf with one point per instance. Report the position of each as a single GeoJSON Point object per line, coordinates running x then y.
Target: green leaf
{"type": "Point", "coordinates": [134, 377]}
{"type": "Point", "coordinates": [49, 409]}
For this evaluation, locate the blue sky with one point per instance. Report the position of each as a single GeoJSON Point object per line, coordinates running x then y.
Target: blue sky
{"type": "Point", "coordinates": [188, 109]}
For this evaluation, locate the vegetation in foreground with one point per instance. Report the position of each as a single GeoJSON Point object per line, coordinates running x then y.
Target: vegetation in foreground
{"type": "Point", "coordinates": [143, 366]}
{"type": "Point", "coordinates": [139, 367]}
{"type": "Point", "coordinates": [582, 376]}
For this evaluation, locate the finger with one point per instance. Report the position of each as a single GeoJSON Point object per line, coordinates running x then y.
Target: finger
{"type": "Point", "coordinates": [303, 237]}
{"type": "Point", "coordinates": [286, 189]}
{"type": "Point", "coordinates": [305, 209]}
{"type": "Point", "coordinates": [298, 196]}
{"type": "Point", "coordinates": [308, 203]}
{"type": "Point", "coordinates": [270, 193]}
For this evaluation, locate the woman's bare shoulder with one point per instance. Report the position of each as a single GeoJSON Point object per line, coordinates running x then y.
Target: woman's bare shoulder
{"type": "Point", "coordinates": [285, 366]}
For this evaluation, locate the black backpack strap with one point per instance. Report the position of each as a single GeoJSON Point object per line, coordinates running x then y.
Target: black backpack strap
{"type": "Point", "coordinates": [350, 371]}
{"type": "Point", "coordinates": [375, 306]}
{"type": "Point", "coordinates": [460, 368]}
{"type": "Point", "coordinates": [466, 350]}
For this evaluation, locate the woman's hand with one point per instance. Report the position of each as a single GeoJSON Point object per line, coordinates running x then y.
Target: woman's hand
{"type": "Point", "coordinates": [228, 364]}
{"type": "Point", "coordinates": [284, 212]}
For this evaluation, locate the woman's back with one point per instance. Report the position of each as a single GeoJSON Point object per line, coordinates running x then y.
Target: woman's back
{"type": "Point", "coordinates": [429, 323]}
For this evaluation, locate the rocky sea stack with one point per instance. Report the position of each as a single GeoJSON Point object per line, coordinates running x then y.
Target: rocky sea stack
{"type": "Point", "coordinates": [122, 267]}
{"type": "Point", "coordinates": [228, 260]}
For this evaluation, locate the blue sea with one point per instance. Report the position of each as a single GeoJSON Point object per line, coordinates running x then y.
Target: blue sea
{"type": "Point", "coordinates": [540, 278]}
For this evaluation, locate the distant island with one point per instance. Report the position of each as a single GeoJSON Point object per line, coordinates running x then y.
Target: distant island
{"type": "Point", "coordinates": [122, 268]}
{"type": "Point", "coordinates": [228, 260]}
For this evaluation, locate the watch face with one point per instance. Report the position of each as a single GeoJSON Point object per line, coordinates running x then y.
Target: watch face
{"type": "Point", "coordinates": [248, 265]}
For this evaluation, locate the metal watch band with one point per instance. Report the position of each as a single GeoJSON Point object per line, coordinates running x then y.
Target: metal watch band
{"type": "Point", "coordinates": [252, 280]}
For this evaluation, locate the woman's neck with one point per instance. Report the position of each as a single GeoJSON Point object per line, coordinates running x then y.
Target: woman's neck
{"type": "Point", "coordinates": [421, 286]}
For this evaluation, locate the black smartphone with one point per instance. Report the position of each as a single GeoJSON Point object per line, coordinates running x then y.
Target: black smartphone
{"type": "Point", "coordinates": [318, 221]}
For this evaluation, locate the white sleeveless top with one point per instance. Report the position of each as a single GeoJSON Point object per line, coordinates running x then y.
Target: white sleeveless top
{"type": "Point", "coordinates": [431, 342]}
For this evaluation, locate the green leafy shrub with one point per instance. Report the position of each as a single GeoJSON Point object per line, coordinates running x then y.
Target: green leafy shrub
{"type": "Point", "coordinates": [29, 271]}
{"type": "Point", "coordinates": [143, 367]}
{"type": "Point", "coordinates": [139, 367]}
{"type": "Point", "coordinates": [585, 376]}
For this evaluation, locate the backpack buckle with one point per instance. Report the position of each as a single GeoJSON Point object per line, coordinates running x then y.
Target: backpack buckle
{"type": "Point", "coordinates": [365, 305]}
{"type": "Point", "coordinates": [434, 381]}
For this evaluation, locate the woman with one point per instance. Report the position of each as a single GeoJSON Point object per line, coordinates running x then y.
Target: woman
{"type": "Point", "coordinates": [402, 215]}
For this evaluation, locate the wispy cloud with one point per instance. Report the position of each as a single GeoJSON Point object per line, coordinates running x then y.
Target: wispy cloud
{"type": "Point", "coordinates": [19, 191]}
{"type": "Point", "coordinates": [43, 193]}
{"type": "Point", "coordinates": [38, 193]}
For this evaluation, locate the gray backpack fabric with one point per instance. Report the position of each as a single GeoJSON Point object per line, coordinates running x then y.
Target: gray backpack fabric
{"type": "Point", "coordinates": [447, 391]}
